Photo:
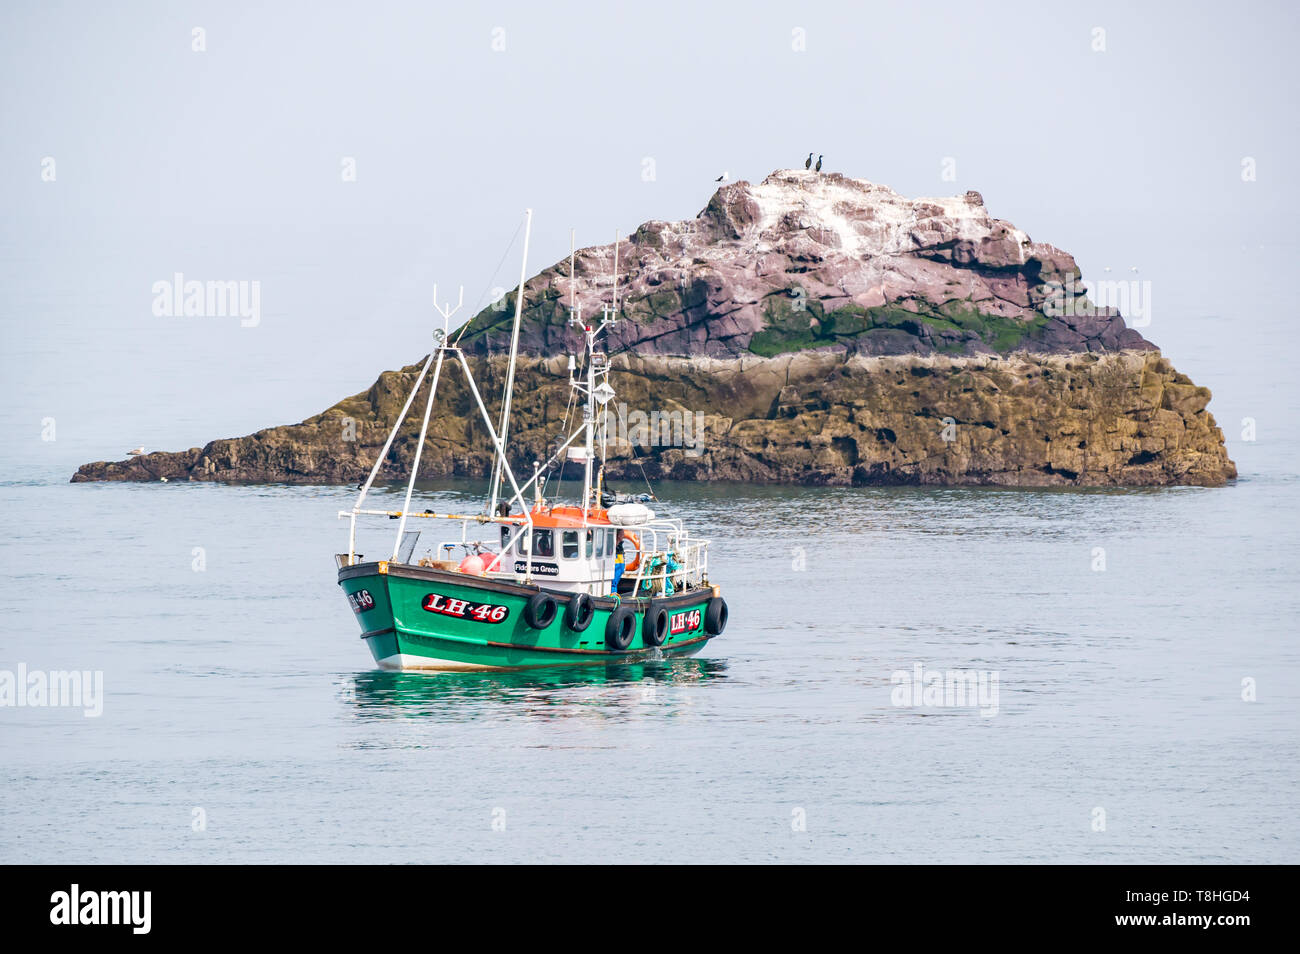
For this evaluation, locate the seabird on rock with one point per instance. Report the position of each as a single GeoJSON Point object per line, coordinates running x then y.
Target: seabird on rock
{"type": "Point", "coordinates": [135, 452]}
{"type": "Point", "coordinates": [807, 163]}
{"type": "Point", "coordinates": [819, 162]}
{"type": "Point", "coordinates": [721, 178]}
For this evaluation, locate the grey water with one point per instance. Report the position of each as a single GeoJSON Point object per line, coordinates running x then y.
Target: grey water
{"type": "Point", "coordinates": [242, 719]}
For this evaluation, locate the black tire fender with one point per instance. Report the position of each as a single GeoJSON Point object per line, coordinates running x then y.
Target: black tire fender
{"type": "Point", "coordinates": [654, 628]}
{"type": "Point", "coordinates": [620, 627]}
{"type": "Point", "coordinates": [715, 617]}
{"type": "Point", "coordinates": [540, 611]}
{"type": "Point", "coordinates": [579, 612]}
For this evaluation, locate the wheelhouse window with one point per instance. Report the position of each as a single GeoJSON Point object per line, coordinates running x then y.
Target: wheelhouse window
{"type": "Point", "coordinates": [506, 533]}
{"type": "Point", "coordinates": [609, 543]}
{"type": "Point", "coordinates": [543, 543]}
{"type": "Point", "coordinates": [600, 543]}
{"type": "Point", "coordinates": [591, 536]}
{"type": "Point", "coordinates": [569, 545]}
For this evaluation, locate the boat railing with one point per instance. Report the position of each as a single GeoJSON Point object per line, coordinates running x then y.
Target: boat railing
{"type": "Point", "coordinates": [663, 541]}
{"type": "Point", "coordinates": [668, 559]}
{"type": "Point", "coordinates": [523, 524]}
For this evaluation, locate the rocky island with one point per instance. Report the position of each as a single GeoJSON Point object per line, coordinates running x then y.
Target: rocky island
{"type": "Point", "coordinates": [813, 329]}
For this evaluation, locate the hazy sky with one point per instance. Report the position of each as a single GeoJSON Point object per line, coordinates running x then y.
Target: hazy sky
{"type": "Point", "coordinates": [227, 164]}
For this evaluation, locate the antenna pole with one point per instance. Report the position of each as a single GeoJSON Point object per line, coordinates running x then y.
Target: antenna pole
{"type": "Point", "coordinates": [510, 370]}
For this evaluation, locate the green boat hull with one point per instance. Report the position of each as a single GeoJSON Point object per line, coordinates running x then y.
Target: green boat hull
{"type": "Point", "coordinates": [421, 618]}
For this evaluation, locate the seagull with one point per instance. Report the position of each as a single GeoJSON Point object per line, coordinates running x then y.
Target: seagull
{"type": "Point", "coordinates": [1106, 269]}
{"type": "Point", "coordinates": [721, 178]}
{"type": "Point", "coordinates": [1133, 268]}
{"type": "Point", "coordinates": [819, 162]}
{"type": "Point", "coordinates": [135, 452]}
{"type": "Point", "coordinates": [807, 163]}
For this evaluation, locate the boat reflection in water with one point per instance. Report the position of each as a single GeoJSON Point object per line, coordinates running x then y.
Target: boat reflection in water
{"type": "Point", "coordinates": [551, 692]}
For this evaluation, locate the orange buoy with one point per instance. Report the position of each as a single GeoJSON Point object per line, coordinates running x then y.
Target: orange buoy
{"type": "Point", "coordinates": [472, 564]}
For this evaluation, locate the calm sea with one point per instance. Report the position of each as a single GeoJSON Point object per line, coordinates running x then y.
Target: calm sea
{"type": "Point", "coordinates": [242, 720]}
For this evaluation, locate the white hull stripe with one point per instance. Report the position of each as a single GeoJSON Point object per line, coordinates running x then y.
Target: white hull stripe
{"type": "Point", "coordinates": [409, 661]}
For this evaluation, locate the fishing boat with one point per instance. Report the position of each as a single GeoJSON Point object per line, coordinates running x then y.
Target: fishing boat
{"type": "Point", "coordinates": [531, 580]}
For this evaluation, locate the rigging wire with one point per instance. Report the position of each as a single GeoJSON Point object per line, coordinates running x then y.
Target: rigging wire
{"type": "Point", "coordinates": [636, 457]}
{"type": "Point", "coordinates": [488, 287]}
{"type": "Point", "coordinates": [475, 310]}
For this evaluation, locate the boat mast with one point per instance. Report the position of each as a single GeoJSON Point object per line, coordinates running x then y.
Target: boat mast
{"type": "Point", "coordinates": [588, 415]}
{"type": "Point", "coordinates": [596, 398]}
{"type": "Point", "coordinates": [502, 431]}
{"type": "Point", "coordinates": [589, 419]}
{"type": "Point", "coordinates": [592, 387]}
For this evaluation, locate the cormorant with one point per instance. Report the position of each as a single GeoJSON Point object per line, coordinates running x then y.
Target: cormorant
{"type": "Point", "coordinates": [807, 163]}
{"type": "Point", "coordinates": [819, 162]}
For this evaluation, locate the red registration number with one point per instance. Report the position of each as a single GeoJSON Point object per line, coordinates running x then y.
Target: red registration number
{"type": "Point", "coordinates": [464, 609]}
{"type": "Point", "coordinates": [684, 622]}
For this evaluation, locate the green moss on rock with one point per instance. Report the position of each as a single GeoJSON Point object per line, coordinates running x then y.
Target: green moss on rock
{"type": "Point", "coordinates": [793, 324]}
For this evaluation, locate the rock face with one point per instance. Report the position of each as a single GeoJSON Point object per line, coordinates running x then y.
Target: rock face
{"type": "Point", "coordinates": [808, 261]}
{"type": "Point", "coordinates": [811, 329]}
{"type": "Point", "coordinates": [812, 417]}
